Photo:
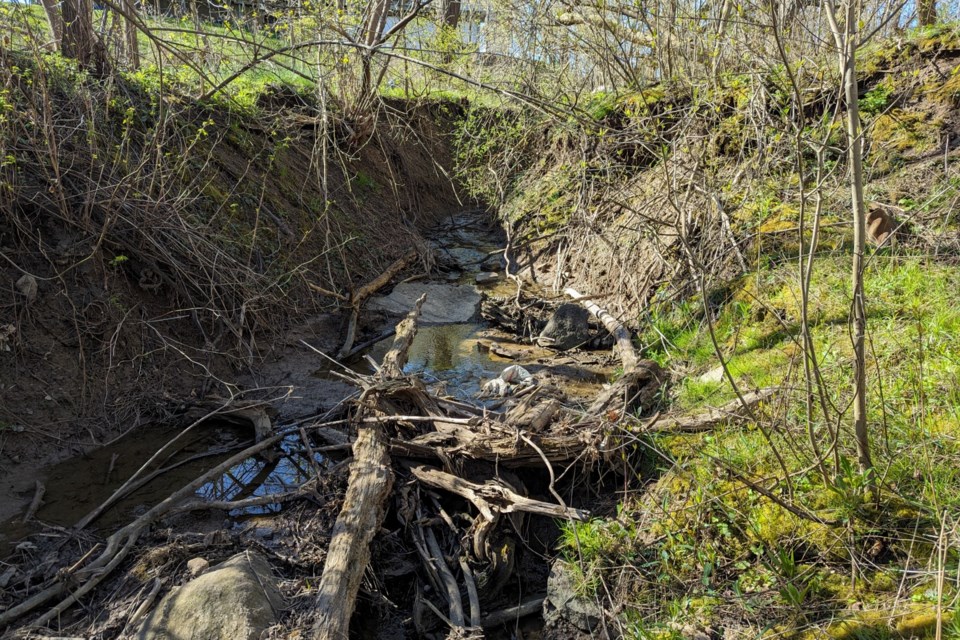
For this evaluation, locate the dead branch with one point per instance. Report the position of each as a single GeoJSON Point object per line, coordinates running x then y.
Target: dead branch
{"type": "Point", "coordinates": [36, 502]}
{"type": "Point", "coordinates": [371, 480]}
{"type": "Point", "coordinates": [358, 297]}
{"type": "Point", "coordinates": [492, 497]}
{"type": "Point", "coordinates": [504, 448]}
{"type": "Point", "coordinates": [472, 594]}
{"type": "Point", "coordinates": [510, 614]}
{"type": "Point", "coordinates": [628, 357]}
{"type": "Point", "coordinates": [211, 409]}
{"type": "Point", "coordinates": [729, 413]}
{"type": "Point", "coordinates": [396, 357]}
{"type": "Point", "coordinates": [144, 607]}
{"type": "Point", "coordinates": [230, 505]}
{"type": "Point", "coordinates": [451, 590]}
{"type": "Point", "coordinates": [364, 506]}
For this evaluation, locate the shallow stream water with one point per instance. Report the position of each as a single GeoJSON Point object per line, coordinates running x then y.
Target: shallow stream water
{"type": "Point", "coordinates": [452, 355]}
{"type": "Point", "coordinates": [444, 353]}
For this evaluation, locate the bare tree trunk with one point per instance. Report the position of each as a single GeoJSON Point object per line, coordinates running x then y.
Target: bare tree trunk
{"type": "Point", "coordinates": [926, 12]}
{"type": "Point", "coordinates": [450, 13]}
{"type": "Point", "coordinates": [130, 34]}
{"type": "Point", "coordinates": [846, 41]}
{"type": "Point", "coordinates": [55, 20]}
{"type": "Point", "coordinates": [373, 25]}
{"type": "Point", "coordinates": [79, 40]}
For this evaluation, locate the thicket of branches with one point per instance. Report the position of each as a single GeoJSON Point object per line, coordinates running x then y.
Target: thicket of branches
{"type": "Point", "coordinates": [617, 138]}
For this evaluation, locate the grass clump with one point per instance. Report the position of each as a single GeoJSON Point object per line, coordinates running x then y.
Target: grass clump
{"type": "Point", "coordinates": [744, 514]}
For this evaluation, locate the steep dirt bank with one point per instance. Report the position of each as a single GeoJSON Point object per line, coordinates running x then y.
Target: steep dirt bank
{"type": "Point", "coordinates": [641, 191]}
{"type": "Point", "coordinates": [734, 532]}
{"type": "Point", "coordinates": [154, 253]}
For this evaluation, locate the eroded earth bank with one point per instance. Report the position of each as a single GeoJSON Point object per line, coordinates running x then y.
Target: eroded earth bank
{"type": "Point", "coordinates": [188, 457]}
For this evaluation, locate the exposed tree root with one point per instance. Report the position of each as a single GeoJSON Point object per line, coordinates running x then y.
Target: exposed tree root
{"type": "Point", "coordinates": [466, 557]}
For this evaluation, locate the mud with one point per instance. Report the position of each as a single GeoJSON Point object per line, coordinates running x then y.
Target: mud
{"type": "Point", "coordinates": [298, 382]}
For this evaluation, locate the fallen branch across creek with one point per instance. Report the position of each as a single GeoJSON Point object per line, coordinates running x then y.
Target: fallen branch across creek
{"type": "Point", "coordinates": [364, 506]}
{"type": "Point", "coordinates": [360, 296]}
{"type": "Point", "coordinates": [628, 357]}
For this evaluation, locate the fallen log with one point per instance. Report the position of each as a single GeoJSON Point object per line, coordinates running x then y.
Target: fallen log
{"type": "Point", "coordinates": [364, 506]}
{"type": "Point", "coordinates": [371, 480]}
{"type": "Point", "coordinates": [733, 411]}
{"type": "Point", "coordinates": [358, 297]}
{"type": "Point", "coordinates": [504, 449]}
{"type": "Point", "coordinates": [396, 357]}
{"type": "Point", "coordinates": [628, 357]}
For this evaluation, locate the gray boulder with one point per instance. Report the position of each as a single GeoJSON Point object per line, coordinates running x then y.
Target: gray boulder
{"type": "Point", "coordinates": [567, 328]}
{"type": "Point", "coordinates": [493, 263]}
{"type": "Point", "coordinates": [563, 602]}
{"type": "Point", "coordinates": [445, 303]}
{"type": "Point", "coordinates": [27, 286]}
{"type": "Point", "coordinates": [236, 600]}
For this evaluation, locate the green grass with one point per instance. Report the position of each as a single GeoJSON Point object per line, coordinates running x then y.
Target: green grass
{"type": "Point", "coordinates": [716, 535]}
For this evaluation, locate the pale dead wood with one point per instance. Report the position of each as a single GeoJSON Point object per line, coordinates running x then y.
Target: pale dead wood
{"type": "Point", "coordinates": [230, 505]}
{"type": "Point", "coordinates": [396, 358]}
{"type": "Point", "coordinates": [371, 480]}
{"type": "Point", "coordinates": [369, 343]}
{"type": "Point", "coordinates": [628, 356]}
{"type": "Point", "coordinates": [505, 449]}
{"type": "Point", "coordinates": [36, 502]}
{"type": "Point", "coordinates": [511, 614]}
{"type": "Point", "coordinates": [310, 452]}
{"type": "Point", "coordinates": [492, 497]}
{"type": "Point", "coordinates": [731, 412]}
{"type": "Point", "coordinates": [144, 607]}
{"type": "Point", "coordinates": [364, 506]}
{"type": "Point", "coordinates": [327, 292]}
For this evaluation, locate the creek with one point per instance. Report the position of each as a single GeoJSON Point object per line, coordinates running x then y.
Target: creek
{"type": "Point", "coordinates": [451, 349]}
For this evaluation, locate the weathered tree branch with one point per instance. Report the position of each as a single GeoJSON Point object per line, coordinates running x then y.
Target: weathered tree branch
{"type": "Point", "coordinates": [364, 506]}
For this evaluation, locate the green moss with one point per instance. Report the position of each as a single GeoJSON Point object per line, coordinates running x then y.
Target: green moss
{"type": "Point", "coordinates": [214, 193]}
{"type": "Point", "coordinates": [601, 104]}
{"type": "Point", "coordinates": [877, 99]}
{"type": "Point", "coordinates": [906, 130]}
{"type": "Point", "coordinates": [949, 90]}
{"type": "Point", "coordinates": [642, 103]}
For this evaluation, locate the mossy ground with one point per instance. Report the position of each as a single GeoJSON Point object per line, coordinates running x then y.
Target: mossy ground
{"type": "Point", "coordinates": [705, 548]}
{"type": "Point", "coordinates": [737, 531]}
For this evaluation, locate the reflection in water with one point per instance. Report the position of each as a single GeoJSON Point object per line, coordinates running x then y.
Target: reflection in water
{"type": "Point", "coordinates": [67, 500]}
{"type": "Point", "coordinates": [445, 353]}
{"type": "Point", "coordinates": [255, 477]}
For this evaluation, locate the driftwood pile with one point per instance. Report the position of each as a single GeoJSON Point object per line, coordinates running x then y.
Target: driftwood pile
{"type": "Point", "coordinates": [412, 453]}
{"type": "Point", "coordinates": [467, 558]}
